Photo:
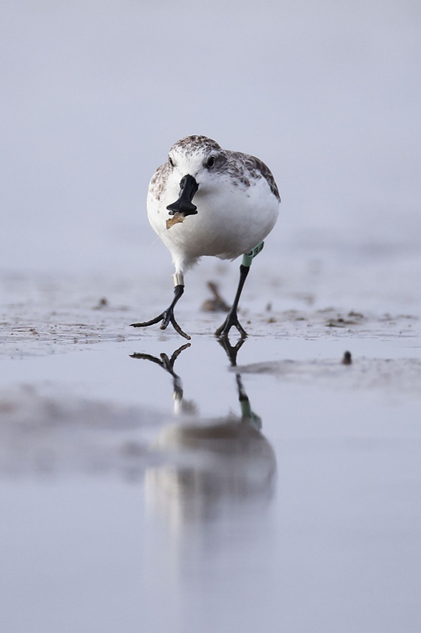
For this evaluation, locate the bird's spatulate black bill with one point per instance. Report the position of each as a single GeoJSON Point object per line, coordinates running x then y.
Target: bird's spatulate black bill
{"type": "Point", "coordinates": [167, 316]}
{"type": "Point", "coordinates": [184, 205]}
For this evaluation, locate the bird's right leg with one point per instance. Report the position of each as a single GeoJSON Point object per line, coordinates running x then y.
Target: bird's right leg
{"type": "Point", "coordinates": [232, 318]}
{"type": "Point", "coordinates": [167, 316]}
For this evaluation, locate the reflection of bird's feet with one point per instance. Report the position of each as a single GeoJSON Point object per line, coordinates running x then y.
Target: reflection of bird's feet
{"type": "Point", "coordinates": [231, 321]}
{"type": "Point", "coordinates": [167, 316]}
{"type": "Point", "coordinates": [231, 350]}
{"type": "Point", "coordinates": [167, 364]}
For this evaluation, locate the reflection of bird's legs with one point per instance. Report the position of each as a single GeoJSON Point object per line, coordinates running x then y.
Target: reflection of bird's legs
{"type": "Point", "coordinates": [231, 350]}
{"type": "Point", "coordinates": [167, 364]}
{"type": "Point", "coordinates": [247, 415]}
{"type": "Point", "coordinates": [242, 396]}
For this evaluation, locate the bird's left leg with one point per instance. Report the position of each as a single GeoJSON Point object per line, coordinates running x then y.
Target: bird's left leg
{"type": "Point", "coordinates": [232, 318]}
{"type": "Point", "coordinates": [167, 316]}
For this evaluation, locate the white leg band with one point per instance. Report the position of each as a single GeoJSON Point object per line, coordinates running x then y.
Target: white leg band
{"type": "Point", "coordinates": [178, 279]}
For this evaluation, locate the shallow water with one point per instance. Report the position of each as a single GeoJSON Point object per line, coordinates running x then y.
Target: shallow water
{"type": "Point", "coordinates": [130, 504]}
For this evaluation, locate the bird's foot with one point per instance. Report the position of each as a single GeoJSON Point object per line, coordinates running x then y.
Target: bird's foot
{"type": "Point", "coordinates": [166, 317]}
{"type": "Point", "coordinates": [231, 321]}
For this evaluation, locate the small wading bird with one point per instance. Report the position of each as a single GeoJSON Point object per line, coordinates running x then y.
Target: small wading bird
{"type": "Point", "coordinates": [236, 205]}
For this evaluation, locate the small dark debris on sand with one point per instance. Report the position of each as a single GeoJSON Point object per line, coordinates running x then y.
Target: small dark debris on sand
{"type": "Point", "coordinates": [217, 304]}
{"type": "Point", "coordinates": [353, 318]}
{"type": "Point", "coordinates": [347, 358]}
{"type": "Point", "coordinates": [102, 303]}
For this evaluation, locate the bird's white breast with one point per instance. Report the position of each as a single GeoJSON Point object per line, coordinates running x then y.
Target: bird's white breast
{"type": "Point", "coordinates": [231, 218]}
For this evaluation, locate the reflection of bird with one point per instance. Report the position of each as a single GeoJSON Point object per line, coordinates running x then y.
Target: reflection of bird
{"type": "Point", "coordinates": [214, 462]}
{"type": "Point", "coordinates": [236, 203]}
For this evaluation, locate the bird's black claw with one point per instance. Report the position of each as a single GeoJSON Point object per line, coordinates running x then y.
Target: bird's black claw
{"type": "Point", "coordinates": [178, 329]}
{"type": "Point", "coordinates": [231, 321]}
{"type": "Point", "coordinates": [151, 322]}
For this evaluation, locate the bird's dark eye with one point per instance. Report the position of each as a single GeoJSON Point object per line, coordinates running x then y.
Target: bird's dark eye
{"type": "Point", "coordinates": [170, 160]}
{"type": "Point", "coordinates": [211, 161]}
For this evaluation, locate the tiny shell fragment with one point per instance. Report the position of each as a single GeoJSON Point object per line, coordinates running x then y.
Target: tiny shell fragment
{"type": "Point", "coordinates": [176, 219]}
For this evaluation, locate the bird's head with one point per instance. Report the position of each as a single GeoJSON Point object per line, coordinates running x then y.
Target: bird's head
{"type": "Point", "coordinates": [192, 162]}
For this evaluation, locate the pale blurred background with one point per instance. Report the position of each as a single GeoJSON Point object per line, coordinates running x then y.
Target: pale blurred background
{"type": "Point", "coordinates": [94, 93]}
